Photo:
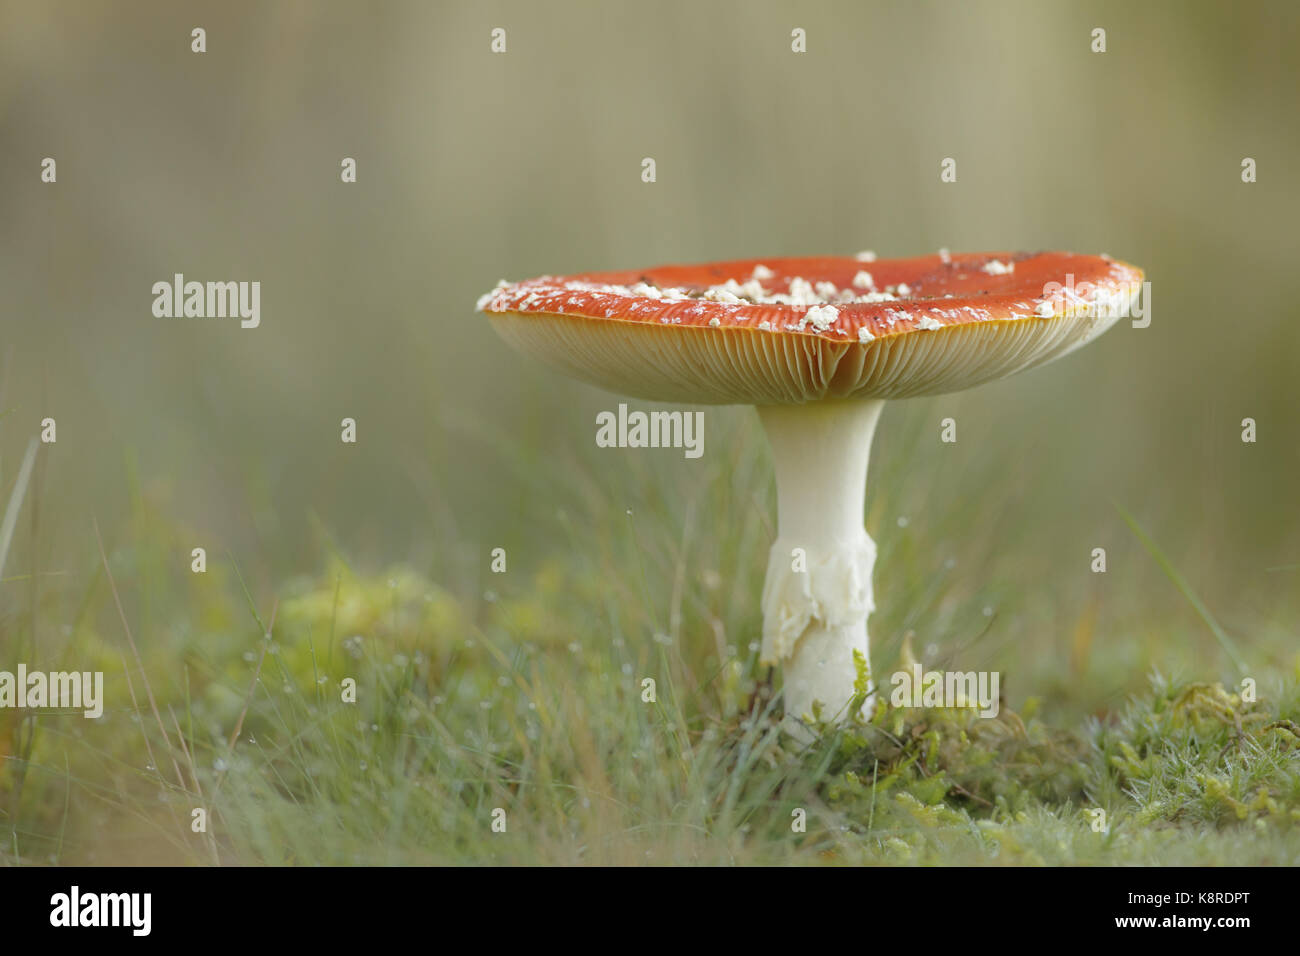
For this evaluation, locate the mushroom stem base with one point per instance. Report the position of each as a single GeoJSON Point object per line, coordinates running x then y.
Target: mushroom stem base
{"type": "Point", "coordinates": [822, 670]}
{"type": "Point", "coordinates": [817, 595]}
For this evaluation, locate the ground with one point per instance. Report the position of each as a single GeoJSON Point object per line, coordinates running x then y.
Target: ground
{"type": "Point", "coordinates": [511, 724]}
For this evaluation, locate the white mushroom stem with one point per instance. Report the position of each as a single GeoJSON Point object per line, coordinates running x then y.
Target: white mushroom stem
{"type": "Point", "coordinates": [817, 595]}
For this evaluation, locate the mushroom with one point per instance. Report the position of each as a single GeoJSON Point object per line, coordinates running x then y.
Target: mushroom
{"type": "Point", "coordinates": [817, 345]}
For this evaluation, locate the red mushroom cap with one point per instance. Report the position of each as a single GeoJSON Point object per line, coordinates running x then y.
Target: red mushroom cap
{"type": "Point", "coordinates": [798, 330]}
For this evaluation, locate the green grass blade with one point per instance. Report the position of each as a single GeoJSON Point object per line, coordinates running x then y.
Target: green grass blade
{"type": "Point", "coordinates": [1180, 582]}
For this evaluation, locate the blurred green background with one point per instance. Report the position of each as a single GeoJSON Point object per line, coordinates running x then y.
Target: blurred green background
{"type": "Point", "coordinates": [474, 166]}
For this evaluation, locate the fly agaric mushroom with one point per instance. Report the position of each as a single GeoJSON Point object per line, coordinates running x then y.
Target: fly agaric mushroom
{"type": "Point", "coordinates": [818, 345]}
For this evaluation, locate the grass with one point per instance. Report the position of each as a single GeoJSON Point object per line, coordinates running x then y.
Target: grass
{"type": "Point", "coordinates": [526, 692]}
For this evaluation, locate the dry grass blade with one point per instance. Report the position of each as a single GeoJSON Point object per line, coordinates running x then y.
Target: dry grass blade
{"type": "Point", "coordinates": [135, 651]}
{"type": "Point", "coordinates": [16, 502]}
{"type": "Point", "coordinates": [198, 787]}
